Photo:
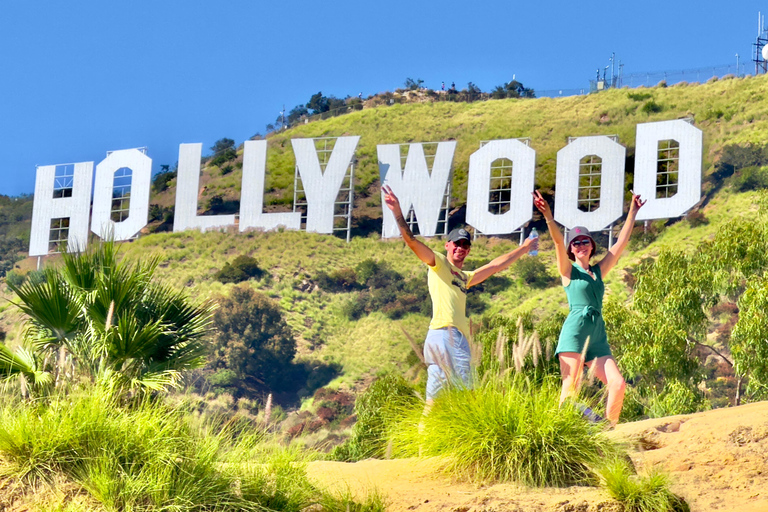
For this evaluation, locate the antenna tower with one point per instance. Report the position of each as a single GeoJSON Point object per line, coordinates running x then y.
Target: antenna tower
{"type": "Point", "coordinates": [761, 65]}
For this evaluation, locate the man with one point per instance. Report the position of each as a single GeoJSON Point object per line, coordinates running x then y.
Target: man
{"type": "Point", "coordinates": [446, 346]}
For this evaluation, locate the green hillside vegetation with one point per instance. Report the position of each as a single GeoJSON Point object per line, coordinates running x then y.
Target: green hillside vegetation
{"type": "Point", "coordinates": [350, 324]}
{"type": "Point", "coordinates": [15, 218]}
{"type": "Point", "coordinates": [729, 111]}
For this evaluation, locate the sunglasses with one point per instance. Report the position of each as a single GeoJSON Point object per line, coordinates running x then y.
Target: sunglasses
{"type": "Point", "coordinates": [463, 244]}
{"type": "Point", "coordinates": [583, 241]}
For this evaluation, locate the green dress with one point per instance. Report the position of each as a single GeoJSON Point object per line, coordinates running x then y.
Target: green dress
{"type": "Point", "coordinates": [585, 319]}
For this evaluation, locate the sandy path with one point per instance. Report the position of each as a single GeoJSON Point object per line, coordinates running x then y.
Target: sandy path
{"type": "Point", "coordinates": [718, 460]}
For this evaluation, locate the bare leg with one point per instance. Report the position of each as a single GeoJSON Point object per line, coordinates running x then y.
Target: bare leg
{"type": "Point", "coordinates": [609, 374]}
{"type": "Point", "coordinates": [571, 370]}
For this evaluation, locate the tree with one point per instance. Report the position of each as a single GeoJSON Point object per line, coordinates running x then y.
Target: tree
{"type": "Point", "coordinates": [222, 145]}
{"type": "Point", "coordinates": [413, 85]}
{"type": "Point", "coordinates": [108, 320]}
{"type": "Point", "coordinates": [749, 340]}
{"type": "Point", "coordinates": [318, 103]}
{"type": "Point", "coordinates": [296, 113]}
{"type": "Point", "coordinates": [513, 89]}
{"type": "Point", "coordinates": [252, 340]}
{"type": "Point", "coordinates": [663, 333]}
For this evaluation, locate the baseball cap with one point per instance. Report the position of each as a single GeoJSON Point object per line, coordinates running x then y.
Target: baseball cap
{"type": "Point", "coordinates": [576, 232]}
{"type": "Point", "coordinates": [459, 234]}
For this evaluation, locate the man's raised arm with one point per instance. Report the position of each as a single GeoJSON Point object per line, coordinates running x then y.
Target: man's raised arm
{"type": "Point", "coordinates": [423, 252]}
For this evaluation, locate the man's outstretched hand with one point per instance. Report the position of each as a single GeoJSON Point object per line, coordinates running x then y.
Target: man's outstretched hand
{"type": "Point", "coordinates": [391, 200]}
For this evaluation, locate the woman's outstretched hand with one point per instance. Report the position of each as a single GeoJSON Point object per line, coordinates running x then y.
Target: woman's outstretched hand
{"type": "Point", "coordinates": [636, 203]}
{"type": "Point", "coordinates": [541, 205]}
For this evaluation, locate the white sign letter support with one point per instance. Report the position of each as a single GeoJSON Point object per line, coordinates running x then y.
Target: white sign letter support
{"type": "Point", "coordinates": [415, 187]}
{"type": "Point", "coordinates": [322, 187]}
{"type": "Point", "coordinates": [613, 156]}
{"type": "Point", "coordinates": [252, 195]}
{"type": "Point", "coordinates": [141, 178]}
{"type": "Point", "coordinates": [187, 188]}
{"type": "Point", "coordinates": [523, 160]}
{"type": "Point", "coordinates": [689, 168]}
{"type": "Point", "coordinates": [46, 208]}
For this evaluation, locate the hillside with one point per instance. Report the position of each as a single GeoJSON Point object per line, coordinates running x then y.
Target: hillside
{"type": "Point", "coordinates": [729, 111]}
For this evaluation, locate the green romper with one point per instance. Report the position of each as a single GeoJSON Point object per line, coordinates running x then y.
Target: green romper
{"type": "Point", "coordinates": [585, 319]}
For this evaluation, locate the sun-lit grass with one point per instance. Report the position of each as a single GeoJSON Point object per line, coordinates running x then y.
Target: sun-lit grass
{"type": "Point", "coordinates": [145, 456]}
{"type": "Point", "coordinates": [636, 493]}
{"type": "Point", "coordinates": [508, 429]}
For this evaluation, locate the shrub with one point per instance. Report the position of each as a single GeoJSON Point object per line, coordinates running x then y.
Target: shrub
{"type": "Point", "coordinates": [14, 279]}
{"type": "Point", "coordinates": [750, 178]}
{"type": "Point", "coordinates": [341, 280]}
{"type": "Point", "coordinates": [533, 272]}
{"type": "Point", "coordinates": [513, 342]}
{"type": "Point", "coordinates": [161, 180]}
{"type": "Point", "coordinates": [252, 340]}
{"type": "Point", "coordinates": [639, 494]}
{"type": "Point", "coordinates": [223, 151]}
{"type": "Point", "coordinates": [507, 429]}
{"type": "Point", "coordinates": [241, 269]}
{"type": "Point", "coordinates": [382, 289]}
{"type": "Point", "coordinates": [696, 218]}
{"type": "Point", "coordinates": [651, 107]}
{"type": "Point", "coordinates": [218, 205]}
{"type": "Point", "coordinates": [676, 398]}
{"type": "Point", "coordinates": [376, 410]}
{"type": "Point", "coordinates": [639, 96]}
{"type": "Point", "coordinates": [148, 458]}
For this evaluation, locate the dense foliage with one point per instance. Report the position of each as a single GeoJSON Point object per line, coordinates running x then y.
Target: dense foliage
{"type": "Point", "coordinates": [253, 346]}
{"type": "Point", "coordinates": [15, 218]}
{"type": "Point", "coordinates": [105, 319]}
{"type": "Point", "coordinates": [377, 409]}
{"type": "Point", "coordinates": [378, 288]}
{"type": "Point", "coordinates": [240, 269]}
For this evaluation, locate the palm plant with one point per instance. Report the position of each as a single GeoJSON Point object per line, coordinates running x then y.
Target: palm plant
{"type": "Point", "coordinates": [107, 320]}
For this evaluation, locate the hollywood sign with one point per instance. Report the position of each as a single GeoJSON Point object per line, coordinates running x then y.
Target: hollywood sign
{"type": "Point", "coordinates": [416, 185]}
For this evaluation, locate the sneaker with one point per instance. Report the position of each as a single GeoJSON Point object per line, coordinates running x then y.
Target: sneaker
{"type": "Point", "coordinates": [588, 413]}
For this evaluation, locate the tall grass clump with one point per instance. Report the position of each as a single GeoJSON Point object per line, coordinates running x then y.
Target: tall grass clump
{"type": "Point", "coordinates": [509, 428]}
{"type": "Point", "coordinates": [147, 457]}
{"type": "Point", "coordinates": [376, 410]}
{"type": "Point", "coordinates": [640, 494]}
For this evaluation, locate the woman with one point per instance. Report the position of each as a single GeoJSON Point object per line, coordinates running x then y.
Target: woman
{"type": "Point", "coordinates": [584, 288]}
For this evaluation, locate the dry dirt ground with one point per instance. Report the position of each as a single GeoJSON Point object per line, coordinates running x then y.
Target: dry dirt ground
{"type": "Point", "coordinates": [718, 460]}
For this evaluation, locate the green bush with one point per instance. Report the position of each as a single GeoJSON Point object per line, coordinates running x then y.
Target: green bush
{"type": "Point", "coordinates": [696, 218]}
{"type": "Point", "coordinates": [161, 180]}
{"type": "Point", "coordinates": [750, 178]}
{"type": "Point", "coordinates": [241, 269]}
{"type": "Point", "coordinates": [381, 289]}
{"type": "Point", "coordinates": [252, 340]}
{"type": "Point", "coordinates": [507, 429]}
{"type": "Point", "coordinates": [651, 107]}
{"type": "Point", "coordinates": [533, 272]}
{"type": "Point", "coordinates": [376, 410]}
{"type": "Point", "coordinates": [639, 494]}
{"type": "Point", "coordinates": [338, 281]}
{"type": "Point", "coordinates": [676, 398]}
{"type": "Point", "coordinates": [14, 279]}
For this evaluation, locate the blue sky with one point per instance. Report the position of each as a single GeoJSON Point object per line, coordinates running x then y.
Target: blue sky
{"type": "Point", "coordinates": [78, 79]}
